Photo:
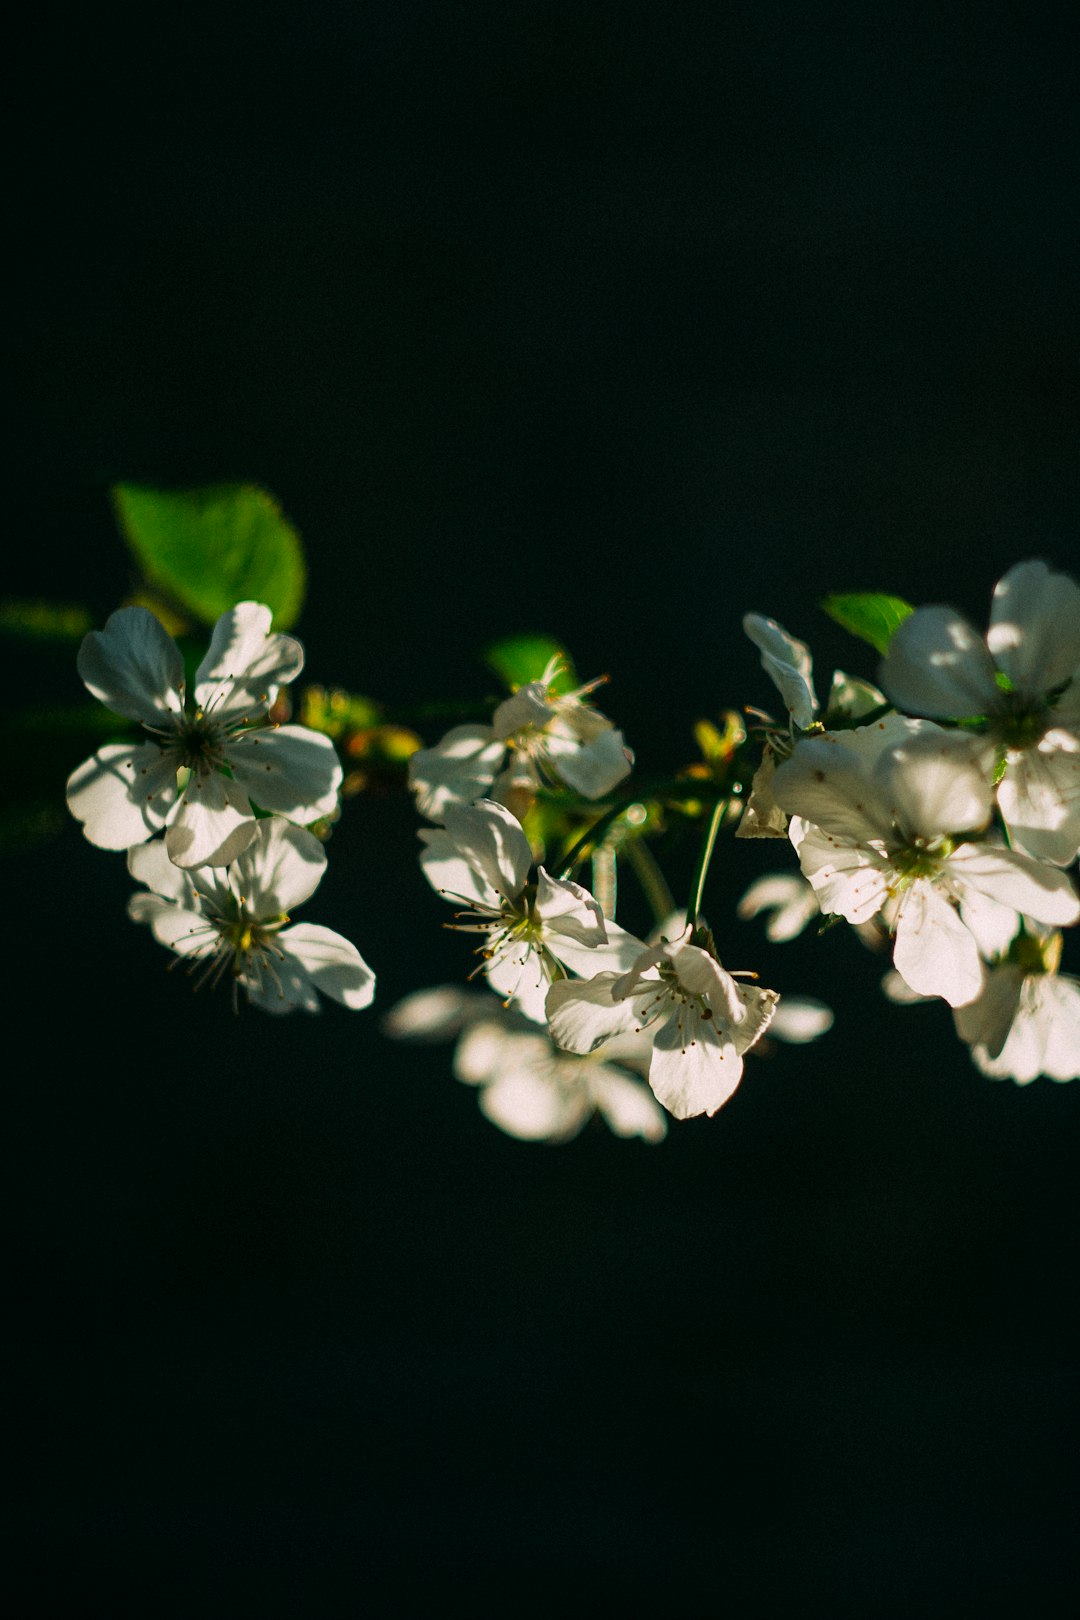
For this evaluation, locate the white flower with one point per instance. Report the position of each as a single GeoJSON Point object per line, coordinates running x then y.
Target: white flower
{"type": "Point", "coordinates": [235, 923]}
{"type": "Point", "coordinates": [788, 664]}
{"type": "Point", "coordinates": [547, 734]}
{"type": "Point", "coordinates": [884, 818]}
{"type": "Point", "coordinates": [127, 792]}
{"type": "Point", "coordinates": [790, 899]}
{"type": "Point", "coordinates": [1025, 680]}
{"type": "Point", "coordinates": [481, 858]}
{"type": "Point", "coordinates": [528, 1087]}
{"type": "Point", "coordinates": [701, 1020]}
{"type": "Point", "coordinates": [1027, 1020]}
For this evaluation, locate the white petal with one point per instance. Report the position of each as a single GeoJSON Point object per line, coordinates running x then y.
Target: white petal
{"type": "Point", "coordinates": [1043, 892]}
{"type": "Point", "coordinates": [213, 823]}
{"type": "Point", "coordinates": [1034, 630]}
{"type": "Point", "coordinates": [583, 1015]}
{"type": "Point", "coordinates": [789, 897]}
{"type": "Point", "coordinates": [281, 867]}
{"type": "Point", "coordinates": [490, 839]}
{"type": "Point", "coordinates": [488, 1045]}
{"type": "Point", "coordinates": [122, 794]}
{"type": "Point", "coordinates": [987, 1020]}
{"type": "Point", "coordinates": [568, 910]}
{"type": "Point", "coordinates": [288, 769]}
{"type": "Point", "coordinates": [517, 973]}
{"type": "Point", "coordinates": [182, 929]}
{"type": "Point", "coordinates": [1060, 1000]}
{"type": "Point", "coordinates": [800, 1018]}
{"type": "Point", "coordinates": [1023, 1055]}
{"type": "Point", "coordinates": [994, 926]}
{"type": "Point", "coordinates": [847, 878]}
{"type": "Point", "coordinates": [528, 709]}
{"type": "Point", "coordinates": [938, 783]}
{"type": "Point", "coordinates": [458, 770]}
{"type": "Point", "coordinates": [629, 1107]}
{"type": "Point", "coordinates": [935, 954]}
{"type": "Point", "coordinates": [694, 1070]}
{"type": "Point", "coordinates": [245, 664]}
{"type": "Point", "coordinates": [1039, 798]}
{"type": "Point", "coordinates": [617, 954]}
{"type": "Point", "coordinates": [288, 989]}
{"type": "Point", "coordinates": [135, 667]}
{"type": "Point", "coordinates": [826, 783]}
{"type": "Point", "coordinates": [150, 864]}
{"type": "Point", "coordinates": [850, 697]}
{"type": "Point", "coordinates": [332, 963]}
{"type": "Point", "coordinates": [938, 665]}
{"type": "Point", "coordinates": [762, 817]}
{"type": "Point", "coordinates": [592, 768]}
{"type": "Point", "coordinates": [895, 989]}
{"type": "Point", "coordinates": [437, 1014]}
{"type": "Point", "coordinates": [449, 873]}
{"type": "Point", "coordinates": [534, 1107]}
{"type": "Point", "coordinates": [788, 664]}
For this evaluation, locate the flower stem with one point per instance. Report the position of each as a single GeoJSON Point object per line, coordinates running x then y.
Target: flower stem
{"type": "Point", "coordinates": [592, 836]}
{"type": "Point", "coordinates": [697, 889]}
{"type": "Point", "coordinates": [653, 882]}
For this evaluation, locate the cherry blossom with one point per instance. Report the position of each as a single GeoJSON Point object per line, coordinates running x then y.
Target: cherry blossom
{"type": "Point", "coordinates": [701, 1020]}
{"type": "Point", "coordinates": [211, 755]}
{"type": "Point", "coordinates": [527, 1086]}
{"type": "Point", "coordinates": [886, 820]}
{"type": "Point", "coordinates": [531, 929]}
{"type": "Point", "coordinates": [536, 735]}
{"type": "Point", "coordinates": [235, 923]}
{"type": "Point", "coordinates": [1024, 681]}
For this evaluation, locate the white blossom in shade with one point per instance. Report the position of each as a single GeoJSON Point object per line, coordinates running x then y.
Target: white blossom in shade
{"type": "Point", "coordinates": [531, 930]}
{"type": "Point", "coordinates": [788, 901]}
{"type": "Point", "coordinates": [799, 1019]}
{"type": "Point", "coordinates": [886, 820]}
{"type": "Point", "coordinates": [536, 735]}
{"type": "Point", "coordinates": [700, 1018]}
{"type": "Point", "coordinates": [209, 757]}
{"type": "Point", "coordinates": [1024, 679]}
{"type": "Point", "coordinates": [1027, 1020]}
{"type": "Point", "coordinates": [235, 923]}
{"type": "Point", "coordinates": [788, 664]}
{"type": "Point", "coordinates": [527, 1086]}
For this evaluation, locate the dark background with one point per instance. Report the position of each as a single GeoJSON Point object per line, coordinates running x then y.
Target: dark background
{"type": "Point", "coordinates": [615, 321]}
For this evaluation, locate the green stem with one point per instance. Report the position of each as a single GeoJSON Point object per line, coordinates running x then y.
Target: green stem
{"type": "Point", "coordinates": [653, 882]}
{"type": "Point", "coordinates": [697, 889]}
{"type": "Point", "coordinates": [592, 836]}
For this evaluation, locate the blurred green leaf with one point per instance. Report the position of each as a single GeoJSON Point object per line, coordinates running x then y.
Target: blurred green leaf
{"type": "Point", "coordinates": [870, 615]}
{"type": "Point", "coordinates": [45, 621]}
{"type": "Point", "coordinates": [520, 659]}
{"type": "Point", "coordinates": [210, 548]}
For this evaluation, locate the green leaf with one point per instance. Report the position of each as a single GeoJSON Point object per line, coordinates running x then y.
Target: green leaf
{"type": "Point", "coordinates": [45, 621]}
{"type": "Point", "coordinates": [520, 659]}
{"type": "Point", "coordinates": [213, 547]}
{"type": "Point", "coordinates": [870, 615]}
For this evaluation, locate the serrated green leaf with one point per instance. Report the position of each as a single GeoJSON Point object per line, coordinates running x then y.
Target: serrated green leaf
{"type": "Point", "coordinates": [210, 548]}
{"type": "Point", "coordinates": [520, 659]}
{"type": "Point", "coordinates": [45, 621]}
{"type": "Point", "coordinates": [870, 615]}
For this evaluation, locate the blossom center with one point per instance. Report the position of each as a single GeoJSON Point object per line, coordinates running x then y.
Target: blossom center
{"type": "Point", "coordinates": [1019, 722]}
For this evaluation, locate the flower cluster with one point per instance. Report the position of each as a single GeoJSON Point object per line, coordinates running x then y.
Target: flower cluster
{"type": "Point", "coordinates": [947, 824]}
{"type": "Point", "coordinates": [224, 785]}
{"type": "Point", "coordinates": [937, 812]}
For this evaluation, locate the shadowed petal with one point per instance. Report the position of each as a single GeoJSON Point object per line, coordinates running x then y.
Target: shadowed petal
{"type": "Point", "coordinates": [134, 667]}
